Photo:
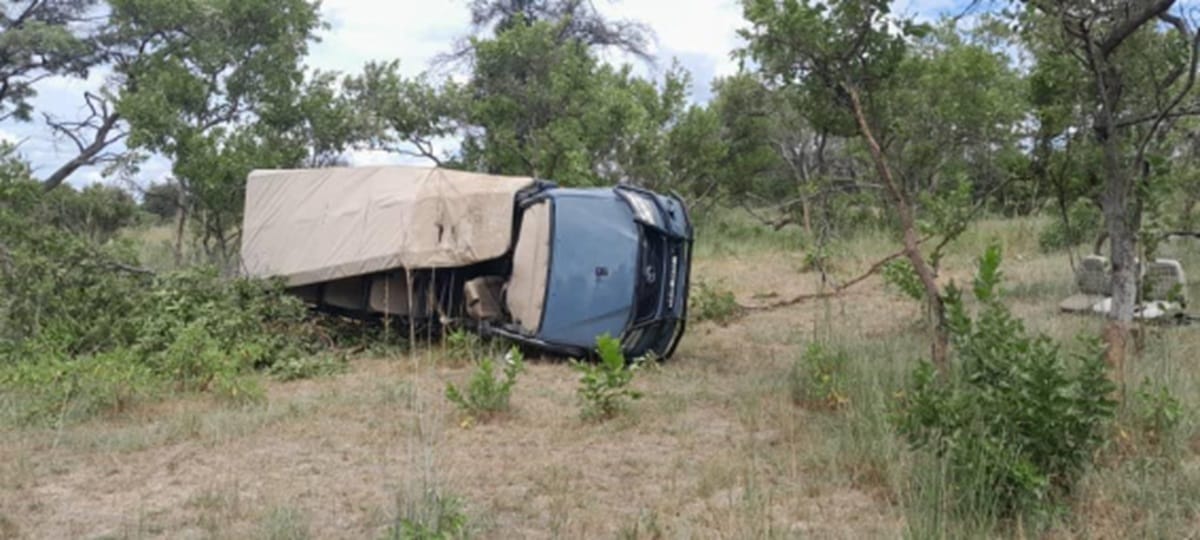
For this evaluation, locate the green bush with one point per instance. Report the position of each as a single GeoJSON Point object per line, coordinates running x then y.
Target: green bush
{"type": "Point", "coordinates": [819, 259]}
{"type": "Point", "coordinates": [711, 303]}
{"type": "Point", "coordinates": [84, 330]}
{"type": "Point", "coordinates": [486, 395]}
{"type": "Point", "coordinates": [190, 331]}
{"type": "Point", "coordinates": [62, 390]}
{"type": "Point", "coordinates": [818, 379]}
{"type": "Point", "coordinates": [434, 517]}
{"type": "Point", "coordinates": [1014, 425]}
{"type": "Point", "coordinates": [1085, 223]}
{"type": "Point", "coordinates": [899, 273]}
{"type": "Point", "coordinates": [604, 386]}
{"type": "Point", "coordinates": [464, 345]}
{"type": "Point", "coordinates": [1157, 416]}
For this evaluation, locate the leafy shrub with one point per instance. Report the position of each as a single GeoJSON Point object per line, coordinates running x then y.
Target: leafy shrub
{"type": "Point", "coordinates": [95, 212]}
{"type": "Point", "coordinates": [604, 386]}
{"type": "Point", "coordinates": [1015, 426]}
{"type": "Point", "coordinates": [64, 390]}
{"type": "Point", "coordinates": [710, 303]}
{"type": "Point", "coordinates": [819, 259]}
{"type": "Point", "coordinates": [899, 273]}
{"type": "Point", "coordinates": [1157, 415]}
{"type": "Point", "coordinates": [486, 395]}
{"type": "Point", "coordinates": [464, 345]}
{"type": "Point", "coordinates": [185, 332]}
{"type": "Point", "coordinates": [818, 379]}
{"type": "Point", "coordinates": [84, 330]}
{"type": "Point", "coordinates": [435, 517]}
{"type": "Point", "coordinates": [1085, 222]}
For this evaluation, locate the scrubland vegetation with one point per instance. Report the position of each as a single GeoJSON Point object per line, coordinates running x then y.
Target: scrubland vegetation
{"type": "Point", "coordinates": [887, 212]}
{"type": "Point", "coordinates": [816, 420]}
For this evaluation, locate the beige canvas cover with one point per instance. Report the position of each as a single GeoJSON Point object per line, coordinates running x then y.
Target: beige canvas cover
{"type": "Point", "coordinates": [531, 268]}
{"type": "Point", "coordinates": [317, 225]}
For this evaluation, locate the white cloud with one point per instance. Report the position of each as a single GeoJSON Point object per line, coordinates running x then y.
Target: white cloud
{"type": "Point", "coordinates": [701, 33]}
{"type": "Point", "coordinates": [413, 31]}
{"type": "Point", "coordinates": [76, 85]}
{"type": "Point", "coordinates": [366, 158]}
{"type": "Point", "coordinates": [8, 138]}
{"type": "Point", "coordinates": [705, 28]}
{"type": "Point", "coordinates": [929, 9]}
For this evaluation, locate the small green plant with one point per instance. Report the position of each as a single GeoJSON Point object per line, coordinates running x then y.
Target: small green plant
{"type": "Point", "coordinates": [1014, 426]}
{"type": "Point", "coordinates": [819, 259]}
{"type": "Point", "coordinates": [818, 379]}
{"type": "Point", "coordinates": [899, 273]}
{"type": "Point", "coordinates": [486, 395]}
{"type": "Point", "coordinates": [712, 303]}
{"type": "Point", "coordinates": [604, 386]}
{"type": "Point", "coordinates": [464, 345]}
{"type": "Point", "coordinates": [1157, 415]}
{"type": "Point", "coordinates": [435, 517]}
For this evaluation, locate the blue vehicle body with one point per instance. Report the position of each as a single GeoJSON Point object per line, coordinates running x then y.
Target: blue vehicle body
{"type": "Point", "coordinates": [620, 262]}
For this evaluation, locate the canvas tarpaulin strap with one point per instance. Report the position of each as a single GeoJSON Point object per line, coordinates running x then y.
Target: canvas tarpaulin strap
{"type": "Point", "coordinates": [316, 225]}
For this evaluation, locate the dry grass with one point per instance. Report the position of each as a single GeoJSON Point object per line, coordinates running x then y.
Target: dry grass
{"type": "Point", "coordinates": [716, 448]}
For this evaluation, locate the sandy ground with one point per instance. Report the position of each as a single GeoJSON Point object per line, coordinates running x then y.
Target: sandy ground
{"type": "Point", "coordinates": [714, 450]}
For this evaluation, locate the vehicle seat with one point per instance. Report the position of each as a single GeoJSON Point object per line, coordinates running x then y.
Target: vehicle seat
{"type": "Point", "coordinates": [1093, 280]}
{"type": "Point", "coordinates": [1165, 289]}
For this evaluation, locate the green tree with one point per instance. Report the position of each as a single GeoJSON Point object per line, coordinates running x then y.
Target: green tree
{"type": "Point", "coordinates": [843, 56]}
{"type": "Point", "coordinates": [46, 38]}
{"type": "Point", "coordinates": [161, 199]}
{"type": "Point", "coordinates": [96, 212]}
{"type": "Point", "coordinates": [579, 21]}
{"type": "Point", "coordinates": [1139, 62]}
{"type": "Point", "coordinates": [218, 86]}
{"type": "Point", "coordinates": [957, 116]}
{"type": "Point", "coordinates": [406, 116]}
{"type": "Point", "coordinates": [748, 112]}
{"type": "Point", "coordinates": [36, 41]}
{"type": "Point", "coordinates": [694, 151]}
{"type": "Point", "coordinates": [551, 109]}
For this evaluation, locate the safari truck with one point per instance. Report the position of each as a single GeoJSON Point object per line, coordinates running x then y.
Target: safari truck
{"type": "Point", "coordinates": [515, 257]}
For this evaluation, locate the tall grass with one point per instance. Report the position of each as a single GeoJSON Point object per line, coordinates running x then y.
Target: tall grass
{"type": "Point", "coordinates": [1133, 489]}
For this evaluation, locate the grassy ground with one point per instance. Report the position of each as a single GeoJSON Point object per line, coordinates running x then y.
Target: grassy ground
{"type": "Point", "coordinates": [716, 448]}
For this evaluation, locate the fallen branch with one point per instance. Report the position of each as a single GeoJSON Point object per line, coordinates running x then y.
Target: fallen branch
{"type": "Point", "coordinates": [836, 290]}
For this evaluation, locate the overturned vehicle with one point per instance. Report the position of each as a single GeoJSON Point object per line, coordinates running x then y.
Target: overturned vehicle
{"type": "Point", "coordinates": [516, 257]}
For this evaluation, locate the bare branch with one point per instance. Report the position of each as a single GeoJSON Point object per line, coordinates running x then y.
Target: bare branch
{"type": "Point", "coordinates": [1136, 14]}
{"type": "Point", "coordinates": [104, 122]}
{"type": "Point", "coordinates": [837, 290]}
{"type": "Point", "coordinates": [1194, 57]}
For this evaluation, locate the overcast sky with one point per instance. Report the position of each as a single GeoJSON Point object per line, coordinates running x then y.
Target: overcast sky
{"type": "Point", "coordinates": [699, 33]}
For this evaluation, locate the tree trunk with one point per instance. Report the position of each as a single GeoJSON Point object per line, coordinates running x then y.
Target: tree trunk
{"type": "Point", "coordinates": [1121, 223]}
{"type": "Point", "coordinates": [941, 339]}
{"type": "Point", "coordinates": [1122, 226]}
{"type": "Point", "coordinates": [180, 221]}
{"type": "Point", "coordinates": [806, 215]}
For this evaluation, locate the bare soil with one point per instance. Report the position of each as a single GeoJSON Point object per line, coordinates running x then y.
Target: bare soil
{"type": "Point", "coordinates": [715, 449]}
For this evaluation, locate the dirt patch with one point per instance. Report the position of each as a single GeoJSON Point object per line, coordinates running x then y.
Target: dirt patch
{"type": "Point", "coordinates": [709, 452]}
